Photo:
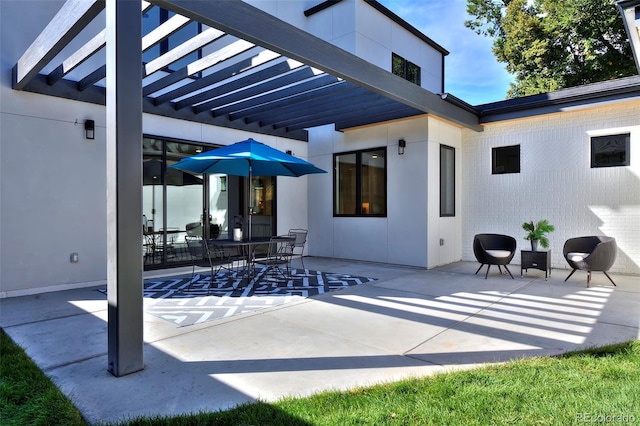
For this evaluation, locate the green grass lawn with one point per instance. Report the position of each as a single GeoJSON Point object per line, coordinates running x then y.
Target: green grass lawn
{"type": "Point", "coordinates": [596, 386]}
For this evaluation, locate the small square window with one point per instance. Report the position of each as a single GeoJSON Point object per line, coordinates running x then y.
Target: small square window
{"type": "Point", "coordinates": [610, 151]}
{"type": "Point", "coordinates": [505, 159]}
{"type": "Point", "coordinates": [405, 69]}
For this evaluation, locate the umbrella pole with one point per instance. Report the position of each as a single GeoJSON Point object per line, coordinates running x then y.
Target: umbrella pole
{"type": "Point", "coordinates": [153, 206]}
{"type": "Point", "coordinates": [250, 197]}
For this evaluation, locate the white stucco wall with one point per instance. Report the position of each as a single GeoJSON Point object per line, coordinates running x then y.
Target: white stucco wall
{"type": "Point", "coordinates": [52, 179]}
{"type": "Point", "coordinates": [447, 229]}
{"type": "Point", "coordinates": [410, 233]}
{"type": "Point", "coordinates": [556, 182]}
{"type": "Point", "coordinates": [359, 28]}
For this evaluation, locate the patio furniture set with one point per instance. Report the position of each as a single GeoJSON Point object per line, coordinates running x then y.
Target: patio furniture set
{"type": "Point", "coordinates": [241, 257]}
{"type": "Point", "coordinates": [590, 253]}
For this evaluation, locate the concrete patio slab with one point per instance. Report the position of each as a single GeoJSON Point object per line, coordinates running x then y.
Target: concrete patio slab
{"type": "Point", "coordinates": [410, 322]}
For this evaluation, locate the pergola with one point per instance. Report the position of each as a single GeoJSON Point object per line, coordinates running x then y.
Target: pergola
{"type": "Point", "coordinates": [630, 11]}
{"type": "Point", "coordinates": [261, 75]}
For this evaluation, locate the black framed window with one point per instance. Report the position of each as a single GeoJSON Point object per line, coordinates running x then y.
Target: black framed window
{"type": "Point", "coordinates": [360, 183]}
{"type": "Point", "coordinates": [505, 159]}
{"type": "Point", "coordinates": [447, 181]}
{"type": "Point", "coordinates": [405, 69]}
{"type": "Point", "coordinates": [610, 150]}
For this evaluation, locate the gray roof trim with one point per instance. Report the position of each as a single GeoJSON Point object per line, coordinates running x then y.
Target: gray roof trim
{"type": "Point", "coordinates": [561, 100]}
{"type": "Point", "coordinates": [407, 26]}
{"type": "Point", "coordinates": [320, 7]}
{"type": "Point", "coordinates": [459, 102]}
{"type": "Point", "coordinates": [386, 12]}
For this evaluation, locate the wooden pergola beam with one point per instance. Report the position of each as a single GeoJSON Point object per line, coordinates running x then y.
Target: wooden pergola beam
{"type": "Point", "coordinates": [85, 52]}
{"type": "Point", "coordinates": [197, 42]}
{"type": "Point", "coordinates": [70, 20]}
{"type": "Point", "coordinates": [249, 23]}
{"type": "Point", "coordinates": [77, 58]}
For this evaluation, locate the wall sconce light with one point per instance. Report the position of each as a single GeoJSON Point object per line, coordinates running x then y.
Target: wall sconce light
{"type": "Point", "coordinates": [90, 129]}
{"type": "Point", "coordinates": [401, 145]}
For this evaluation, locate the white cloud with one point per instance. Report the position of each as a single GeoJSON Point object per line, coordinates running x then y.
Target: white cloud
{"type": "Point", "coordinates": [471, 71]}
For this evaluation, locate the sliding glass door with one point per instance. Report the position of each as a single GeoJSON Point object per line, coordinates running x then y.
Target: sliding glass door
{"type": "Point", "coordinates": [178, 205]}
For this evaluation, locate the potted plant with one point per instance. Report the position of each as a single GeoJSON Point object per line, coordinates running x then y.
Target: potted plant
{"type": "Point", "coordinates": [536, 233]}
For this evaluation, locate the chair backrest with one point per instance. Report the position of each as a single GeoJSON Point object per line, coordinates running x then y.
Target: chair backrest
{"type": "Point", "coordinates": [194, 229]}
{"type": "Point", "coordinates": [279, 250]}
{"type": "Point", "coordinates": [603, 252]}
{"type": "Point", "coordinates": [496, 242]}
{"type": "Point", "coordinates": [301, 237]}
{"type": "Point", "coordinates": [195, 245]}
{"type": "Point", "coordinates": [484, 242]}
{"type": "Point", "coordinates": [583, 244]}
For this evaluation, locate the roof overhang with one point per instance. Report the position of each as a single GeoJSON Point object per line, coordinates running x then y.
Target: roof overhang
{"type": "Point", "coordinates": [260, 73]}
{"type": "Point", "coordinates": [569, 99]}
{"type": "Point", "coordinates": [630, 10]}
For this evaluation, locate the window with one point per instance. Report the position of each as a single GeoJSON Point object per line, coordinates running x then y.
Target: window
{"type": "Point", "coordinates": [360, 183]}
{"type": "Point", "coordinates": [447, 181]}
{"type": "Point", "coordinates": [611, 150]}
{"type": "Point", "coordinates": [505, 159]}
{"type": "Point", "coordinates": [405, 69]}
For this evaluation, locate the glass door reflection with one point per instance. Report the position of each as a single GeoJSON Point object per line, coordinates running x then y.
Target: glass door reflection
{"type": "Point", "coordinates": [262, 208]}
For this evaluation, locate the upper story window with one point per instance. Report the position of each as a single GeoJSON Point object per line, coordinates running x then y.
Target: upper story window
{"type": "Point", "coordinates": [610, 150]}
{"type": "Point", "coordinates": [505, 159]}
{"type": "Point", "coordinates": [405, 69]}
{"type": "Point", "coordinates": [360, 183]}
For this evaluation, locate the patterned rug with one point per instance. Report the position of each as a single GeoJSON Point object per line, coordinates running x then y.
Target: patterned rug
{"type": "Point", "coordinates": [185, 302]}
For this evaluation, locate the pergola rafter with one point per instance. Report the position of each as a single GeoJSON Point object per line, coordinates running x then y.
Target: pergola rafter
{"type": "Point", "coordinates": [256, 67]}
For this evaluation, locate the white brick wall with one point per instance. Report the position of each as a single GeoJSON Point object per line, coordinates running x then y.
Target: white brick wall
{"type": "Point", "coordinates": [556, 182]}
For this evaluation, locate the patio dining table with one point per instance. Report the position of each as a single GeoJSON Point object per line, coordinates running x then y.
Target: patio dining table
{"type": "Point", "coordinates": [247, 249]}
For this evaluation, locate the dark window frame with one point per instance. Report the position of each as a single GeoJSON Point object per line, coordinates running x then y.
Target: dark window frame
{"type": "Point", "coordinates": [358, 191]}
{"type": "Point", "coordinates": [598, 158]}
{"type": "Point", "coordinates": [408, 69]}
{"type": "Point", "coordinates": [445, 211]}
{"type": "Point", "coordinates": [499, 160]}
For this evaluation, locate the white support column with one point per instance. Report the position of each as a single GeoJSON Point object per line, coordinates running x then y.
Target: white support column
{"type": "Point", "coordinates": [124, 186]}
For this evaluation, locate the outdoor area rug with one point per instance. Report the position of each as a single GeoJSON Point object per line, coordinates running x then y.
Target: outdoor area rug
{"type": "Point", "coordinates": [185, 302]}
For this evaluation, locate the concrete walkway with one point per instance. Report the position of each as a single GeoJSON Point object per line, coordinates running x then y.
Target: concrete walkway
{"type": "Point", "coordinates": [410, 322]}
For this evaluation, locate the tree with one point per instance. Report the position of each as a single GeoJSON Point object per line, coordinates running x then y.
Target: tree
{"type": "Point", "coordinates": [552, 44]}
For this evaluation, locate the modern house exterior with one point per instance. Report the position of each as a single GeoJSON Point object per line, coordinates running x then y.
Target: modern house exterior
{"type": "Point", "coordinates": [413, 172]}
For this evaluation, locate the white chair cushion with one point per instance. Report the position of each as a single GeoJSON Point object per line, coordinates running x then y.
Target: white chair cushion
{"type": "Point", "coordinates": [575, 256]}
{"type": "Point", "coordinates": [499, 253]}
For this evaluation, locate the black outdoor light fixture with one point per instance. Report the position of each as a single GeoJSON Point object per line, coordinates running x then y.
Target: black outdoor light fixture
{"type": "Point", "coordinates": [90, 129]}
{"type": "Point", "coordinates": [401, 145]}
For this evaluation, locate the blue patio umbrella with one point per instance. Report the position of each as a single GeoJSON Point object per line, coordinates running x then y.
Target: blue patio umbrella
{"type": "Point", "coordinates": [247, 158]}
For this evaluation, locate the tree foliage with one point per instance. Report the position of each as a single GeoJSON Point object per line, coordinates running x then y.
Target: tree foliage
{"type": "Point", "coordinates": [552, 44]}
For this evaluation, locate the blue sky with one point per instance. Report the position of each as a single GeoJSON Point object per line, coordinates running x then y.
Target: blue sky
{"type": "Point", "coordinates": [471, 71]}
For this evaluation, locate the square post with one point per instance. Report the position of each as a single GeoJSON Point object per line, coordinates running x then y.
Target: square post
{"type": "Point", "coordinates": [124, 187]}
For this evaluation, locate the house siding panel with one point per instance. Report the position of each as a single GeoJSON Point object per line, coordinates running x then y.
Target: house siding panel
{"type": "Point", "coordinates": [556, 182]}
